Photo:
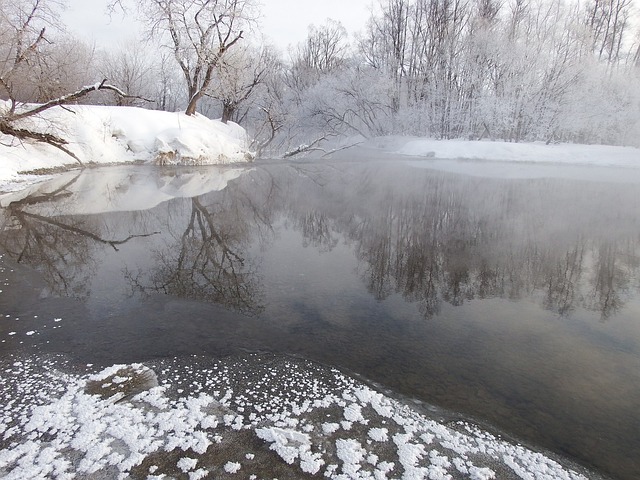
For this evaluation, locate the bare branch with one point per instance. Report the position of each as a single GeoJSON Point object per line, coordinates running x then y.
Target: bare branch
{"type": "Point", "coordinates": [47, 138]}
{"type": "Point", "coordinates": [304, 147]}
{"type": "Point", "coordinates": [8, 120]}
{"type": "Point", "coordinates": [334, 150]}
{"type": "Point", "coordinates": [66, 99]}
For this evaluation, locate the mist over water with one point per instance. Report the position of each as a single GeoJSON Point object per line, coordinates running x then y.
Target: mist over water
{"type": "Point", "coordinates": [512, 300]}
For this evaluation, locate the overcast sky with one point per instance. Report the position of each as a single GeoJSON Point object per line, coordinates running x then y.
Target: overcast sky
{"type": "Point", "coordinates": [284, 22]}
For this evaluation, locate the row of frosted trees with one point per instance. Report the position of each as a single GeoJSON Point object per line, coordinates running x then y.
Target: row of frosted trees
{"type": "Point", "coordinates": [525, 70]}
{"type": "Point", "coordinates": [514, 70]}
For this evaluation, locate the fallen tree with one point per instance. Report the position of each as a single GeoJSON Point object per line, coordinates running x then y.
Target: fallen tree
{"type": "Point", "coordinates": [23, 67]}
{"type": "Point", "coordinates": [10, 121]}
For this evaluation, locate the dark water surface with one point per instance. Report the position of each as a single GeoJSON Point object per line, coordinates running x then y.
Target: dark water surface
{"type": "Point", "coordinates": [512, 300]}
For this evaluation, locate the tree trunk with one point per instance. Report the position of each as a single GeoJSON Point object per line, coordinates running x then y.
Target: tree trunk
{"type": "Point", "coordinates": [193, 102]}
{"type": "Point", "coordinates": [228, 110]}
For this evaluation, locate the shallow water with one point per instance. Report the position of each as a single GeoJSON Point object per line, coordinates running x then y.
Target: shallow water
{"type": "Point", "coordinates": [513, 298]}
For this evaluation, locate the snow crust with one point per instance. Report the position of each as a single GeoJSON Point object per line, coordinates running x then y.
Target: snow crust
{"type": "Point", "coordinates": [193, 423]}
{"type": "Point", "coordinates": [101, 134]}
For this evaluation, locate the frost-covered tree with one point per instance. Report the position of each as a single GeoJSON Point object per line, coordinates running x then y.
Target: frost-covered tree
{"type": "Point", "coordinates": [131, 67]}
{"type": "Point", "coordinates": [608, 22]}
{"type": "Point", "coordinates": [198, 33]}
{"type": "Point", "coordinates": [25, 26]}
{"type": "Point", "coordinates": [325, 48]}
{"type": "Point", "coordinates": [239, 80]}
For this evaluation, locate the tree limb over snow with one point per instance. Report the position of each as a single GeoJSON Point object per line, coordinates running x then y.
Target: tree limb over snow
{"type": "Point", "coordinates": [71, 97]}
{"type": "Point", "coordinates": [23, 133]}
{"type": "Point", "coordinates": [312, 148]}
{"type": "Point", "coordinates": [8, 119]}
{"type": "Point", "coordinates": [304, 147]}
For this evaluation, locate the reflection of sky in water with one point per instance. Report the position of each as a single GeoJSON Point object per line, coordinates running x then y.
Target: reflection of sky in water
{"type": "Point", "coordinates": [513, 299]}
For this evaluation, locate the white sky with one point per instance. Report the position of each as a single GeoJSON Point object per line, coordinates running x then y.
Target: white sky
{"type": "Point", "coordinates": [284, 22]}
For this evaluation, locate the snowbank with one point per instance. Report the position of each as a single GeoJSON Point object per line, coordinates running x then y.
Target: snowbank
{"type": "Point", "coordinates": [99, 134]}
{"type": "Point", "coordinates": [573, 154]}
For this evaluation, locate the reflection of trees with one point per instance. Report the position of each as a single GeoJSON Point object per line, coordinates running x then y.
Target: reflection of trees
{"type": "Point", "coordinates": [433, 239]}
{"type": "Point", "coordinates": [442, 239]}
{"type": "Point", "coordinates": [610, 277]}
{"type": "Point", "coordinates": [58, 246]}
{"type": "Point", "coordinates": [207, 261]}
{"type": "Point", "coordinates": [317, 230]}
{"type": "Point", "coordinates": [561, 279]}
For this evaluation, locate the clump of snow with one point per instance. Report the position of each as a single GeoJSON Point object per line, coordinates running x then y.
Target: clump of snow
{"type": "Point", "coordinates": [351, 453]}
{"type": "Point", "coordinates": [185, 464]}
{"type": "Point", "coordinates": [286, 443]}
{"type": "Point", "coordinates": [100, 134]}
{"type": "Point", "coordinates": [329, 428]}
{"type": "Point", "coordinates": [378, 434]}
{"type": "Point", "coordinates": [232, 467]}
{"type": "Point", "coordinates": [53, 428]}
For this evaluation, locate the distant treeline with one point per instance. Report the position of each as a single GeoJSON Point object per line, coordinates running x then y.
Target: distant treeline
{"type": "Point", "coordinates": [514, 70]}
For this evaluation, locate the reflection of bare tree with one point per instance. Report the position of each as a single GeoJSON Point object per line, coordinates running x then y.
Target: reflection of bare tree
{"type": "Point", "coordinates": [317, 230]}
{"type": "Point", "coordinates": [207, 263]}
{"type": "Point", "coordinates": [61, 256]}
{"type": "Point", "coordinates": [561, 279]}
{"type": "Point", "coordinates": [608, 281]}
{"type": "Point", "coordinates": [59, 247]}
{"type": "Point", "coordinates": [446, 242]}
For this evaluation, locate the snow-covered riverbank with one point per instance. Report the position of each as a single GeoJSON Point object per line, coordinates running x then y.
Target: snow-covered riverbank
{"type": "Point", "coordinates": [106, 135]}
{"type": "Point", "coordinates": [254, 416]}
{"type": "Point", "coordinates": [562, 154]}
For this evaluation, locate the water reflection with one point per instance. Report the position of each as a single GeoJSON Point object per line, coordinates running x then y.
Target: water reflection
{"type": "Point", "coordinates": [479, 294]}
{"type": "Point", "coordinates": [430, 237]}
{"type": "Point", "coordinates": [437, 239]}
{"type": "Point", "coordinates": [60, 247]}
{"type": "Point", "coordinates": [430, 252]}
{"type": "Point", "coordinates": [207, 262]}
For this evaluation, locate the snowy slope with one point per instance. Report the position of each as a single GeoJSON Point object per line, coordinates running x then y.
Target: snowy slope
{"type": "Point", "coordinates": [99, 134]}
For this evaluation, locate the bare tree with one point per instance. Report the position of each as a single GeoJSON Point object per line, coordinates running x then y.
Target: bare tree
{"type": "Point", "coordinates": [325, 47]}
{"type": "Point", "coordinates": [199, 33]}
{"type": "Point", "coordinates": [23, 78]}
{"type": "Point", "coordinates": [65, 64]}
{"type": "Point", "coordinates": [131, 68]}
{"type": "Point", "coordinates": [386, 43]}
{"type": "Point", "coordinates": [241, 74]}
{"type": "Point", "coordinates": [608, 22]}
{"type": "Point", "coordinates": [23, 32]}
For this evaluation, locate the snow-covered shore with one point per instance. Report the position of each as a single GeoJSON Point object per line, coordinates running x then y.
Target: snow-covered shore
{"type": "Point", "coordinates": [107, 135]}
{"type": "Point", "coordinates": [561, 154]}
{"type": "Point", "coordinates": [253, 416]}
